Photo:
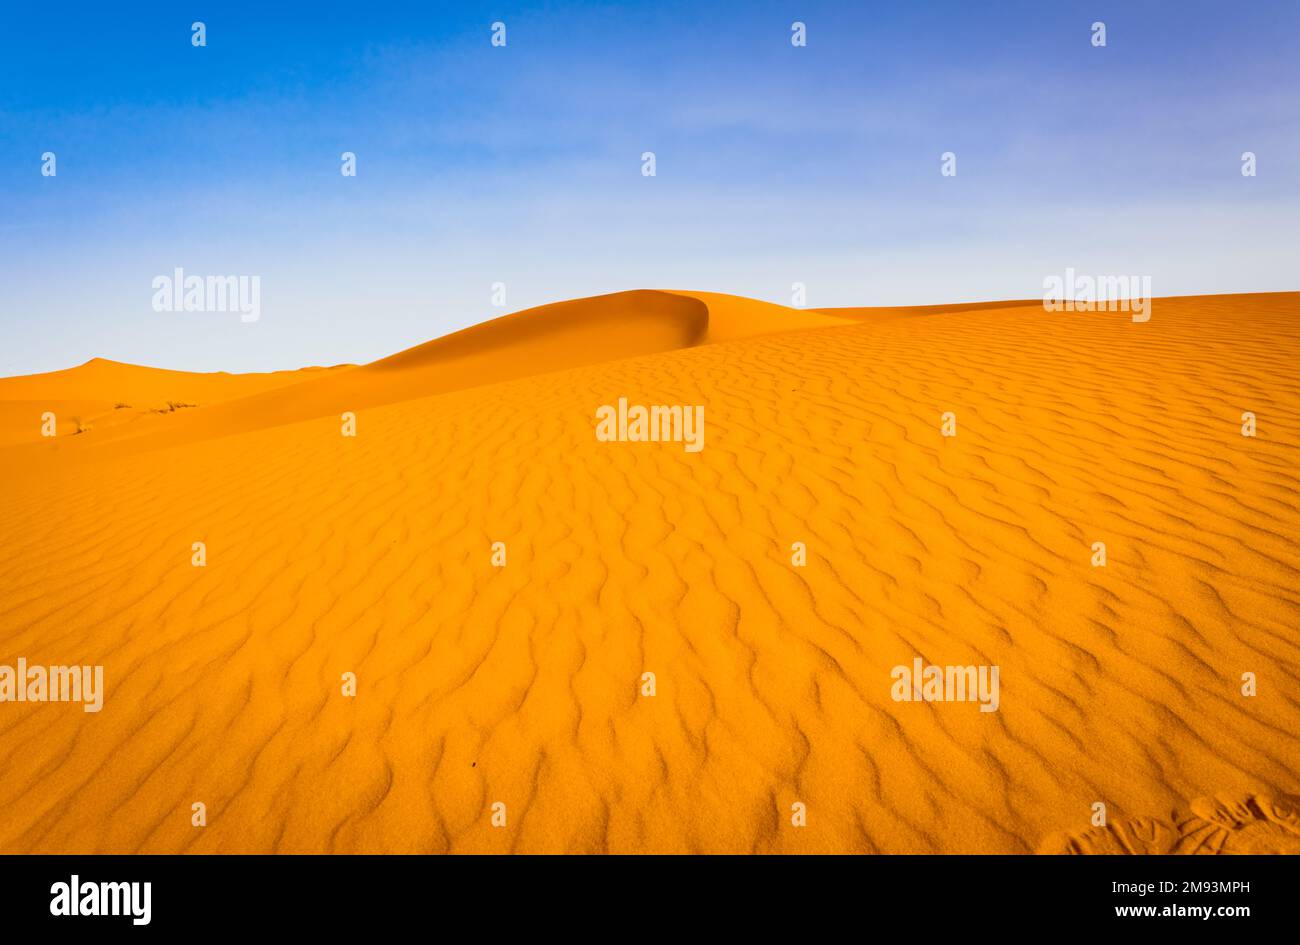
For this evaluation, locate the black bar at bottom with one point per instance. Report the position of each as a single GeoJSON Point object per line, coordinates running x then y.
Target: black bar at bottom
{"type": "Point", "coordinates": [327, 895]}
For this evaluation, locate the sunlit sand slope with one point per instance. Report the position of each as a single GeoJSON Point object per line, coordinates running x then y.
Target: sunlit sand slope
{"type": "Point", "coordinates": [522, 685]}
{"type": "Point", "coordinates": [538, 340]}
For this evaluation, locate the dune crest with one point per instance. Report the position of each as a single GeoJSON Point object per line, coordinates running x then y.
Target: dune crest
{"type": "Point", "coordinates": [534, 341]}
{"type": "Point", "coordinates": [100, 379]}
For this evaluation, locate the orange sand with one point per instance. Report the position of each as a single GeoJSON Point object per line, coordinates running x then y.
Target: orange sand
{"type": "Point", "coordinates": [521, 685]}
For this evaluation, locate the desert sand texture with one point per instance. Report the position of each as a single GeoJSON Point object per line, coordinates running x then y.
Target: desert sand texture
{"type": "Point", "coordinates": [515, 693]}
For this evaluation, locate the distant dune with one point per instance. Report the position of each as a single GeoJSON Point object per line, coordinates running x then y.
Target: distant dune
{"type": "Point", "coordinates": [523, 686]}
{"type": "Point", "coordinates": [108, 394]}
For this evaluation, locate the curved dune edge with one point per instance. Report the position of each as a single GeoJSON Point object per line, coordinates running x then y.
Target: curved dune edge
{"type": "Point", "coordinates": [1222, 824]}
{"type": "Point", "coordinates": [541, 340]}
{"type": "Point", "coordinates": [734, 317]}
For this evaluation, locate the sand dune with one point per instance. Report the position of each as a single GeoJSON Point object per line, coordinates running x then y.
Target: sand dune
{"type": "Point", "coordinates": [548, 338]}
{"type": "Point", "coordinates": [102, 380]}
{"type": "Point", "coordinates": [522, 684]}
{"type": "Point", "coordinates": [103, 394]}
{"type": "Point", "coordinates": [888, 312]}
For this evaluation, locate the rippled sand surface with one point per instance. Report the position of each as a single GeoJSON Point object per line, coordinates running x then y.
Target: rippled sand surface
{"type": "Point", "coordinates": [522, 685]}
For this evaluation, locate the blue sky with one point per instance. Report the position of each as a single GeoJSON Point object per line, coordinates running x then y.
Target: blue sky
{"type": "Point", "coordinates": [521, 164]}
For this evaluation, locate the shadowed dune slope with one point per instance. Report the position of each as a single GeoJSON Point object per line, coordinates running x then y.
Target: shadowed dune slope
{"type": "Point", "coordinates": [732, 317]}
{"type": "Point", "coordinates": [523, 684]}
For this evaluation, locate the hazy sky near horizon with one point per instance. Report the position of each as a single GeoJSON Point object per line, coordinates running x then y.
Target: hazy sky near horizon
{"type": "Point", "coordinates": [522, 164]}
